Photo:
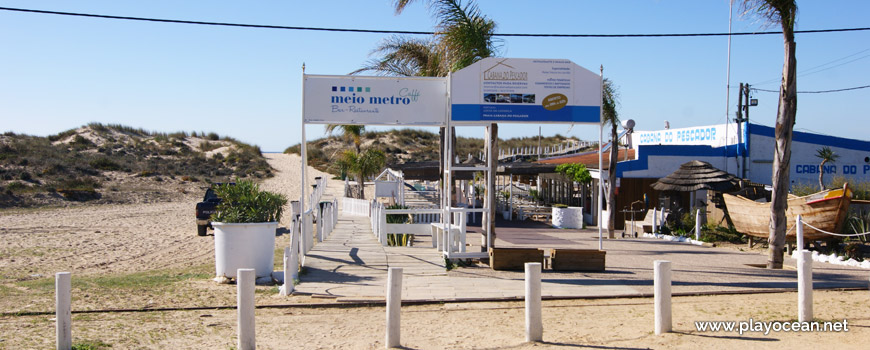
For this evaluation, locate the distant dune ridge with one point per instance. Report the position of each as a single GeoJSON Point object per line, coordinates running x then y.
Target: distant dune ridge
{"type": "Point", "coordinates": [119, 164]}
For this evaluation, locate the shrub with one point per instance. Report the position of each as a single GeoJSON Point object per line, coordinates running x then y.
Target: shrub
{"type": "Point", "coordinates": [80, 141]}
{"type": "Point", "coordinates": [15, 186]}
{"type": "Point", "coordinates": [398, 239]}
{"type": "Point", "coordinates": [575, 172]}
{"type": "Point", "coordinates": [244, 202]}
{"type": "Point", "coordinates": [206, 146]}
{"type": "Point", "coordinates": [715, 233]}
{"type": "Point", "coordinates": [853, 251]}
{"type": "Point", "coordinates": [90, 345]}
{"type": "Point", "coordinates": [104, 163]}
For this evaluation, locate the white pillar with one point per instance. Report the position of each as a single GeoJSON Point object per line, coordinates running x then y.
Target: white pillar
{"type": "Point", "coordinates": [800, 235]}
{"type": "Point", "coordinates": [805, 286]}
{"type": "Point", "coordinates": [394, 305]}
{"type": "Point", "coordinates": [245, 302]}
{"type": "Point", "coordinates": [698, 225]}
{"type": "Point", "coordinates": [655, 220]}
{"type": "Point", "coordinates": [662, 290]}
{"type": "Point", "coordinates": [288, 274]}
{"type": "Point", "coordinates": [534, 323]}
{"type": "Point", "coordinates": [63, 310]}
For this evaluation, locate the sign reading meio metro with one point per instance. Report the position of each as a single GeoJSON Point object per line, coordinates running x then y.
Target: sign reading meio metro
{"type": "Point", "coordinates": [331, 99]}
{"type": "Point", "coordinates": [518, 90]}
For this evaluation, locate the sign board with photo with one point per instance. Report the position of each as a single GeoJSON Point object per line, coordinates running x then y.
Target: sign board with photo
{"type": "Point", "coordinates": [517, 90]}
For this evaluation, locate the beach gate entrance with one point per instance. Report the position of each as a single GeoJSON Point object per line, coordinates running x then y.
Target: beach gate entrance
{"type": "Point", "coordinates": [491, 91]}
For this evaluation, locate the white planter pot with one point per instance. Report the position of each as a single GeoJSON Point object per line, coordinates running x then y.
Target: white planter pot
{"type": "Point", "coordinates": [238, 246]}
{"type": "Point", "coordinates": [570, 217]}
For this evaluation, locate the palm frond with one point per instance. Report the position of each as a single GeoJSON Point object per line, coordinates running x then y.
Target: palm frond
{"type": "Point", "coordinates": [610, 104]}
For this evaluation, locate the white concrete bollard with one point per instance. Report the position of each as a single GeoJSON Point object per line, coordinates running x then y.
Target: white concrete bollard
{"type": "Point", "coordinates": [63, 310]}
{"type": "Point", "coordinates": [662, 290]}
{"type": "Point", "coordinates": [245, 304]}
{"type": "Point", "coordinates": [799, 233]}
{"type": "Point", "coordinates": [805, 286]}
{"type": "Point", "coordinates": [698, 224]}
{"type": "Point", "coordinates": [288, 281]}
{"type": "Point", "coordinates": [394, 307]}
{"type": "Point", "coordinates": [534, 322]}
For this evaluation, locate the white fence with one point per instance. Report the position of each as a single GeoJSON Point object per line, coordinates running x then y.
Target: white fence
{"type": "Point", "coordinates": [356, 207]}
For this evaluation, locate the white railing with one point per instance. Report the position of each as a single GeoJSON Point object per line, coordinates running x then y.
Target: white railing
{"type": "Point", "coordinates": [317, 193]}
{"type": "Point", "coordinates": [357, 207]}
{"type": "Point", "coordinates": [557, 149]}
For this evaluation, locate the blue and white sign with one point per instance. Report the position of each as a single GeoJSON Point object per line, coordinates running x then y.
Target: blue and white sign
{"type": "Point", "coordinates": [712, 135]}
{"type": "Point", "coordinates": [516, 90]}
{"type": "Point", "coordinates": [345, 99]}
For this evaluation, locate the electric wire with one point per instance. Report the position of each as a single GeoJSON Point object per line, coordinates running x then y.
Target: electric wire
{"type": "Point", "coordinates": [818, 91]}
{"type": "Point", "coordinates": [379, 31]}
{"type": "Point", "coordinates": [813, 70]}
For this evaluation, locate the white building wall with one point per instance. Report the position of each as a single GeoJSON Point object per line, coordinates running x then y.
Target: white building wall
{"type": "Point", "coordinates": [853, 162]}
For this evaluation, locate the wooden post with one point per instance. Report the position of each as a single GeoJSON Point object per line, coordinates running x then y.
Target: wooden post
{"type": "Point", "coordinates": [63, 310]}
{"type": "Point", "coordinates": [394, 305]}
{"type": "Point", "coordinates": [662, 290]}
{"type": "Point", "coordinates": [245, 305]}
{"type": "Point", "coordinates": [492, 148]}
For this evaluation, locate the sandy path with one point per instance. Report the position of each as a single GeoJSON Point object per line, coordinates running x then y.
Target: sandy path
{"type": "Point", "coordinates": [101, 239]}
{"type": "Point", "coordinates": [568, 324]}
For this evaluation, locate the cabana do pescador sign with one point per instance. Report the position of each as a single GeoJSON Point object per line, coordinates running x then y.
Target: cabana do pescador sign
{"type": "Point", "coordinates": [518, 90]}
{"type": "Point", "coordinates": [331, 99]}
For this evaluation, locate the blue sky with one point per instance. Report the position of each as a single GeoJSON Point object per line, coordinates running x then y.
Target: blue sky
{"type": "Point", "coordinates": [59, 72]}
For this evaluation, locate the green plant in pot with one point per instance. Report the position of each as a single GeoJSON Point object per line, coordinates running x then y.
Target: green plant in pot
{"type": "Point", "coordinates": [245, 223]}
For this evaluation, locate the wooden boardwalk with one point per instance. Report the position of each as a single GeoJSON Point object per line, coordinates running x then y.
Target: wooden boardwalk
{"type": "Point", "coordinates": [351, 262]}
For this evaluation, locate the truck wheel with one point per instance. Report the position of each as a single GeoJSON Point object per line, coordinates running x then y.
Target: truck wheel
{"type": "Point", "coordinates": [201, 230]}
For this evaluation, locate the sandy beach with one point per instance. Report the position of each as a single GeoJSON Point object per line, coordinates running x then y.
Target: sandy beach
{"type": "Point", "coordinates": [107, 245]}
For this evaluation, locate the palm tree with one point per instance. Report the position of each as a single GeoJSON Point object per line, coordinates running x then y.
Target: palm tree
{"type": "Point", "coordinates": [406, 57]}
{"type": "Point", "coordinates": [464, 36]}
{"type": "Point", "coordinates": [611, 120]}
{"type": "Point", "coordinates": [352, 132]}
{"type": "Point", "coordinates": [783, 13]}
{"type": "Point", "coordinates": [362, 166]}
{"type": "Point", "coordinates": [826, 155]}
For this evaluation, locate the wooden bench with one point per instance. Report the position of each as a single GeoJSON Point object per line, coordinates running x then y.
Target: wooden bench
{"type": "Point", "coordinates": [514, 258]}
{"type": "Point", "coordinates": [577, 259]}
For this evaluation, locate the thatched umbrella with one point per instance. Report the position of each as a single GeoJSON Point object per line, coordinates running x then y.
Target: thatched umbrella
{"type": "Point", "coordinates": [697, 175]}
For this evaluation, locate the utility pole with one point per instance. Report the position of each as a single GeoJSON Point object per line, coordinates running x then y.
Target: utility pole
{"type": "Point", "coordinates": [743, 103]}
{"type": "Point", "coordinates": [739, 105]}
{"type": "Point", "coordinates": [746, 103]}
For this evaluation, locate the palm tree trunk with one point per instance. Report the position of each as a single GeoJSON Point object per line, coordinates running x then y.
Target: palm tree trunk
{"type": "Point", "coordinates": [785, 120]}
{"type": "Point", "coordinates": [821, 174]}
{"type": "Point", "coordinates": [611, 172]}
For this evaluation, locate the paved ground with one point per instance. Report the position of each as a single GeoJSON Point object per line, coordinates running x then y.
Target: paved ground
{"type": "Point", "coordinates": [351, 265]}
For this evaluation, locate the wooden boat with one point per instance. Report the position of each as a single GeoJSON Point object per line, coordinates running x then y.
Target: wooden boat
{"type": "Point", "coordinates": [826, 210]}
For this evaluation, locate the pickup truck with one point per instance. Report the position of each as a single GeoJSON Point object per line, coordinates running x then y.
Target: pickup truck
{"type": "Point", "coordinates": [204, 210]}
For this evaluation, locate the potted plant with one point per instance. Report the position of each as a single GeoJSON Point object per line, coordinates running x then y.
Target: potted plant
{"type": "Point", "coordinates": [564, 216]}
{"type": "Point", "coordinates": [244, 228]}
